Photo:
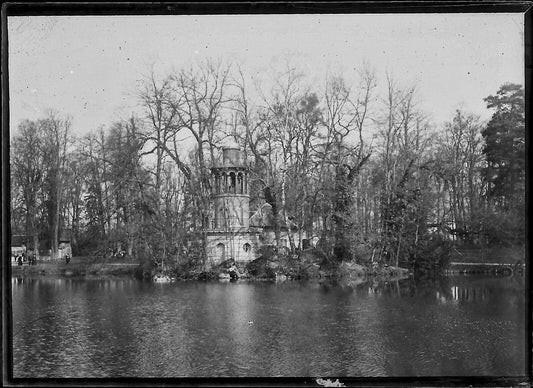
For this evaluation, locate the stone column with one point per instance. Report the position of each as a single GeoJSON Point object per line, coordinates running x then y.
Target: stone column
{"type": "Point", "coordinates": [225, 182]}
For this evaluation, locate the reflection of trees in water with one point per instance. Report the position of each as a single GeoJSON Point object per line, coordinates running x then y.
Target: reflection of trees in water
{"type": "Point", "coordinates": [469, 294]}
{"type": "Point", "coordinates": [476, 325]}
{"type": "Point", "coordinates": [504, 292]}
{"type": "Point", "coordinates": [32, 312]}
{"type": "Point", "coordinates": [385, 287]}
{"type": "Point", "coordinates": [61, 318]}
{"type": "Point", "coordinates": [466, 289]}
{"type": "Point", "coordinates": [370, 285]}
{"type": "Point", "coordinates": [446, 289]}
{"type": "Point", "coordinates": [426, 287]}
{"type": "Point", "coordinates": [393, 287]}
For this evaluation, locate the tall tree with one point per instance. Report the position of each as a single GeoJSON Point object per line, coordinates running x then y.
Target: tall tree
{"type": "Point", "coordinates": [57, 139]}
{"type": "Point", "coordinates": [342, 155]}
{"type": "Point", "coordinates": [28, 173]}
{"type": "Point", "coordinates": [188, 105]}
{"type": "Point", "coordinates": [460, 156]}
{"type": "Point", "coordinates": [403, 145]}
{"type": "Point", "coordinates": [97, 204]}
{"type": "Point", "coordinates": [505, 145]}
{"type": "Point", "coordinates": [129, 183]}
{"type": "Point", "coordinates": [505, 173]}
{"type": "Point", "coordinates": [162, 126]}
{"type": "Point", "coordinates": [73, 210]}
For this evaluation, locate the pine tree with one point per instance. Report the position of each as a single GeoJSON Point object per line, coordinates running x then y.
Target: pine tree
{"type": "Point", "coordinates": [505, 146]}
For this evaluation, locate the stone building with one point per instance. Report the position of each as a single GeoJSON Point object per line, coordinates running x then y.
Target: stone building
{"type": "Point", "coordinates": [18, 245]}
{"type": "Point", "coordinates": [30, 244]}
{"type": "Point", "coordinates": [64, 246]}
{"type": "Point", "coordinates": [234, 233]}
{"type": "Point", "coordinates": [229, 235]}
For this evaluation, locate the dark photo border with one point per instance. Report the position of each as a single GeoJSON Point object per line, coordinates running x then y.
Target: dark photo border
{"type": "Point", "coordinates": [202, 8]}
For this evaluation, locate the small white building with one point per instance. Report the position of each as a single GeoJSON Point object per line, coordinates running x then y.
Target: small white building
{"type": "Point", "coordinates": [64, 243]}
{"type": "Point", "coordinates": [18, 246]}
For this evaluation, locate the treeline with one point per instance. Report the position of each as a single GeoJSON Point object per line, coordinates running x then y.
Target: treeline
{"type": "Point", "coordinates": [366, 175]}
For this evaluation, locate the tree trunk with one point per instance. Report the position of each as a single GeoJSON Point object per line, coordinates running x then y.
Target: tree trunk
{"type": "Point", "coordinates": [56, 218]}
{"type": "Point", "coordinates": [284, 213]}
{"type": "Point", "coordinates": [36, 245]}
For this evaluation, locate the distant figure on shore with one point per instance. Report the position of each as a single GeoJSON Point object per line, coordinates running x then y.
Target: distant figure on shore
{"type": "Point", "coordinates": [67, 258]}
{"type": "Point", "coordinates": [19, 259]}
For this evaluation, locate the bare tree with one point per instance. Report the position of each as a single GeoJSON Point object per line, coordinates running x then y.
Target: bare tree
{"type": "Point", "coordinates": [199, 99]}
{"type": "Point", "coordinates": [27, 176]}
{"type": "Point", "coordinates": [461, 150]}
{"type": "Point", "coordinates": [403, 146]}
{"type": "Point", "coordinates": [57, 139]}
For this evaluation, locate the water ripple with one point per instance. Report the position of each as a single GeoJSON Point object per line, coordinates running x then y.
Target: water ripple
{"type": "Point", "coordinates": [123, 328]}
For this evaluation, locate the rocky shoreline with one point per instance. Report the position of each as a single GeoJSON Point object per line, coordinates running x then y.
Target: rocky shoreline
{"type": "Point", "coordinates": [279, 268]}
{"type": "Point", "coordinates": [262, 269]}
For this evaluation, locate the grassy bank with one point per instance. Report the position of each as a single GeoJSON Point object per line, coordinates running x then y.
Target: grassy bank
{"type": "Point", "coordinates": [308, 266]}
{"type": "Point", "coordinates": [78, 267]}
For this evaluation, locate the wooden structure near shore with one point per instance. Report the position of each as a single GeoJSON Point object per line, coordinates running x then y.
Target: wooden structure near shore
{"type": "Point", "coordinates": [461, 268]}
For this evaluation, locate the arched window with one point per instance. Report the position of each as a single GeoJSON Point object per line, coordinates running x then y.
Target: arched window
{"type": "Point", "coordinates": [232, 185]}
{"type": "Point", "coordinates": [240, 183]}
{"type": "Point", "coordinates": [217, 183]}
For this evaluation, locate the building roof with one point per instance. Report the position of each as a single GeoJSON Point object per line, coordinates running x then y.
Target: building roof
{"type": "Point", "coordinates": [64, 235]}
{"type": "Point", "coordinates": [41, 246]}
{"type": "Point", "coordinates": [231, 145]}
{"type": "Point", "coordinates": [18, 240]}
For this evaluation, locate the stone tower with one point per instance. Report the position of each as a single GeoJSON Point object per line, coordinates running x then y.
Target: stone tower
{"type": "Point", "coordinates": [229, 235]}
{"type": "Point", "coordinates": [231, 198]}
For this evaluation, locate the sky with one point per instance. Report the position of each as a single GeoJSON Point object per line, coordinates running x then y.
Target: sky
{"type": "Point", "coordinates": [89, 67]}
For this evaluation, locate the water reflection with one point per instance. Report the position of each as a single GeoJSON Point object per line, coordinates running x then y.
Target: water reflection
{"type": "Point", "coordinates": [469, 294]}
{"type": "Point", "coordinates": [96, 328]}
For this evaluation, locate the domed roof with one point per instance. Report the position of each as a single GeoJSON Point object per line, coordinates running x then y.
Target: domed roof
{"type": "Point", "coordinates": [231, 145]}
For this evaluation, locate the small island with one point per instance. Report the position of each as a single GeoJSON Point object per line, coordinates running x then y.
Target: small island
{"type": "Point", "coordinates": [291, 189]}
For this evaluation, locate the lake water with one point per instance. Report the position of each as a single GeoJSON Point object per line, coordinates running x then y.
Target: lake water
{"type": "Point", "coordinates": [126, 328]}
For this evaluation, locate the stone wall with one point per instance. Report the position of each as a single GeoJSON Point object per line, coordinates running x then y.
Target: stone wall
{"type": "Point", "coordinates": [241, 246]}
{"type": "Point", "coordinates": [231, 211]}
